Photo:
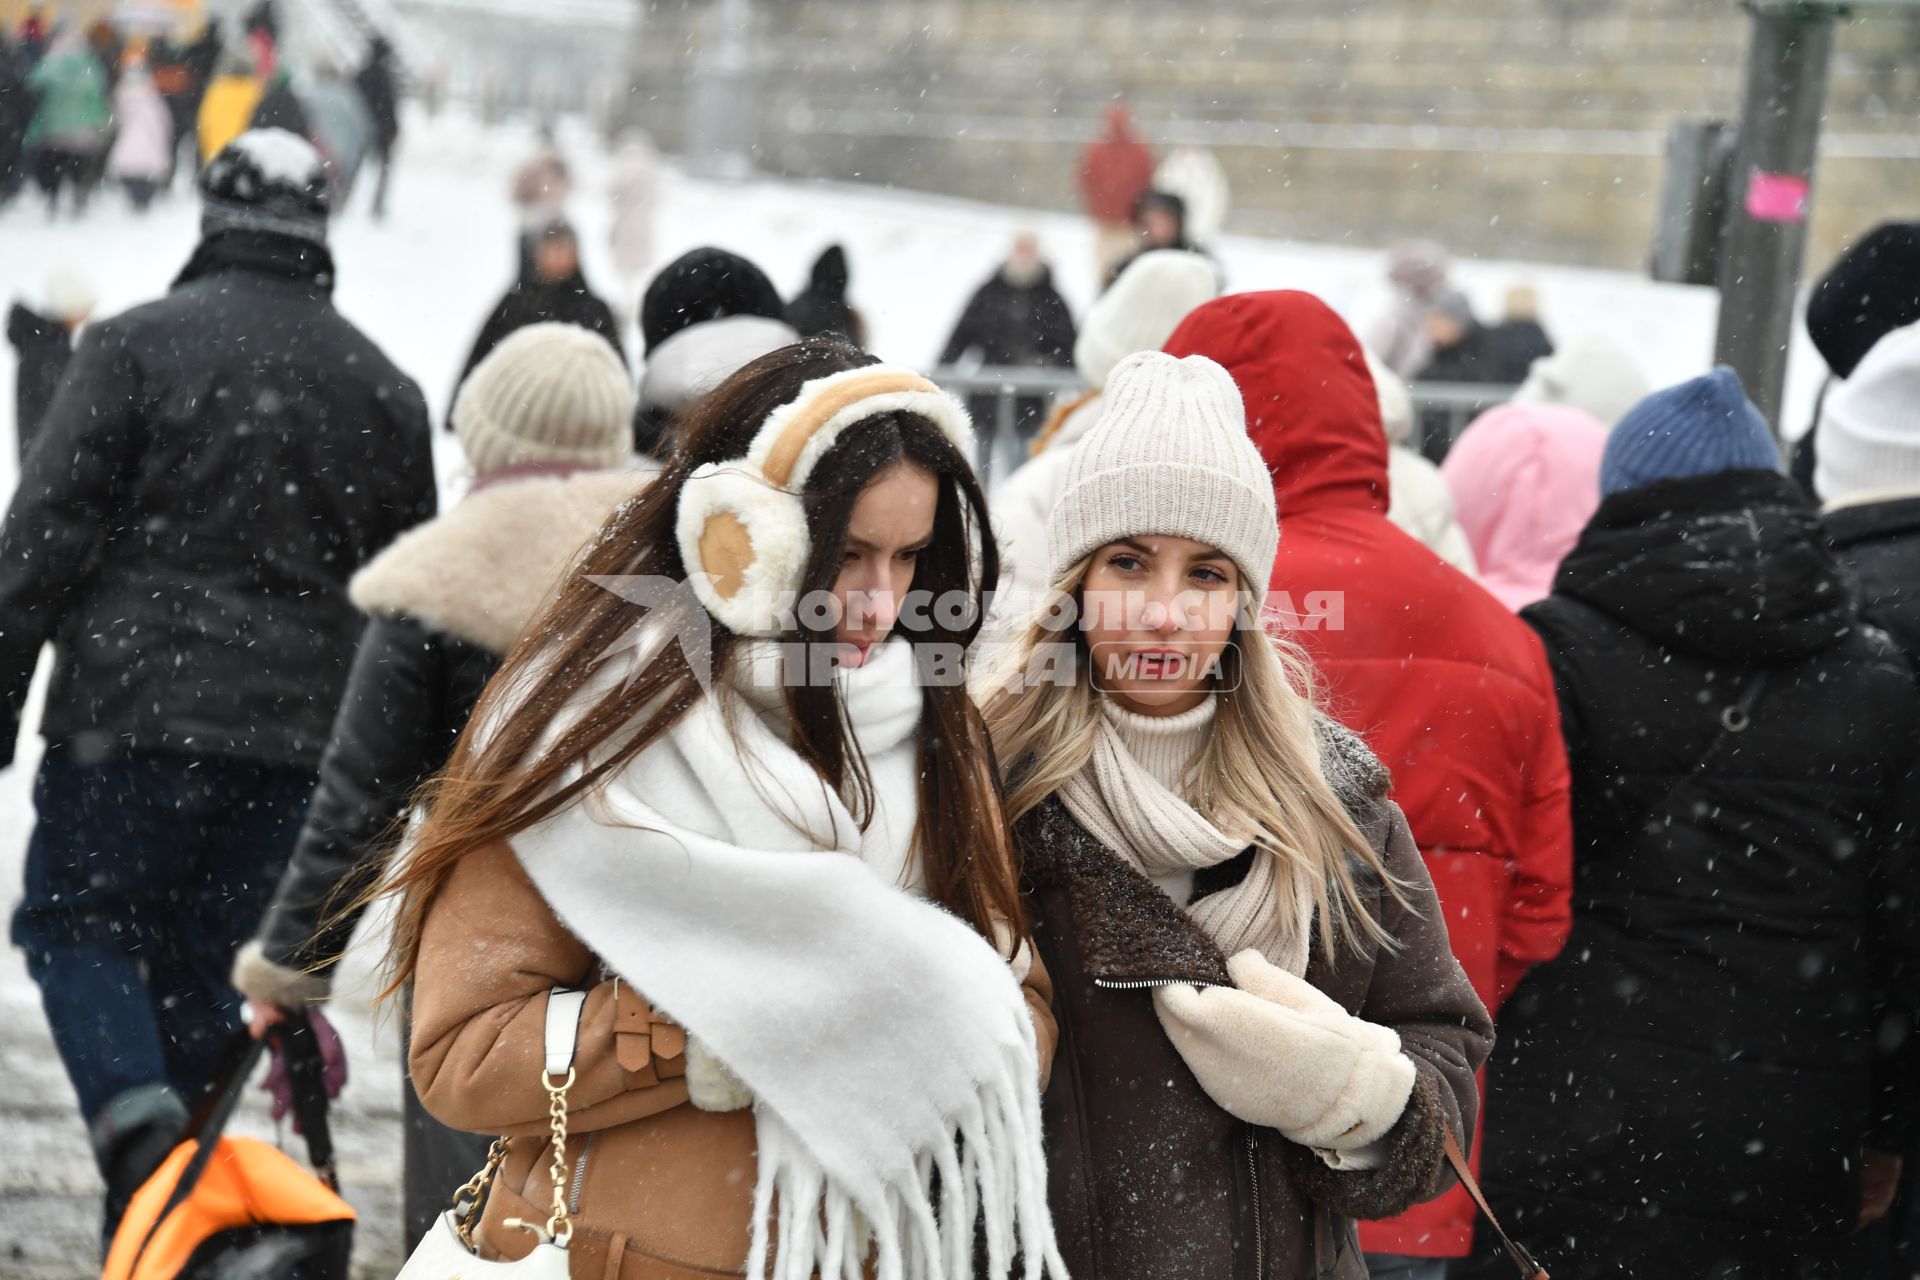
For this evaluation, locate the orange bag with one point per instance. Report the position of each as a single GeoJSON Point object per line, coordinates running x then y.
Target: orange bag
{"type": "Point", "coordinates": [237, 1207]}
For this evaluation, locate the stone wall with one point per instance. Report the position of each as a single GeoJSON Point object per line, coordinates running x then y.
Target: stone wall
{"type": "Point", "coordinates": [1521, 128]}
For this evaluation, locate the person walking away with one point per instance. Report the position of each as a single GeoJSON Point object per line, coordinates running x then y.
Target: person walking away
{"type": "Point", "coordinates": [343, 127]}
{"type": "Point", "coordinates": [1744, 935]}
{"type": "Point", "coordinates": [227, 106]}
{"type": "Point", "coordinates": [1153, 294]}
{"type": "Point", "coordinates": [1449, 689]}
{"type": "Point", "coordinates": [556, 292]}
{"type": "Point", "coordinates": [706, 315]}
{"type": "Point", "coordinates": [69, 120]}
{"type": "Point", "coordinates": [540, 189]}
{"type": "Point", "coordinates": [1519, 339]}
{"type": "Point", "coordinates": [1871, 290]}
{"type": "Point", "coordinates": [1116, 169]}
{"type": "Point", "coordinates": [1255, 1050]}
{"type": "Point", "coordinates": [1525, 480]}
{"type": "Point", "coordinates": [378, 82]}
{"type": "Point", "coordinates": [546, 423]}
{"type": "Point", "coordinates": [16, 113]}
{"type": "Point", "coordinates": [141, 158]}
{"type": "Point", "coordinates": [42, 342]}
{"type": "Point", "coordinates": [214, 468]}
{"type": "Point", "coordinates": [850, 995]}
{"type": "Point", "coordinates": [1016, 320]}
{"type": "Point", "coordinates": [1419, 500]}
{"type": "Point", "coordinates": [822, 308]}
{"type": "Point", "coordinates": [1868, 482]}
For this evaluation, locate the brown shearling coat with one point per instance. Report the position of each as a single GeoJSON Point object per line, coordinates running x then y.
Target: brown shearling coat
{"type": "Point", "coordinates": [665, 1190]}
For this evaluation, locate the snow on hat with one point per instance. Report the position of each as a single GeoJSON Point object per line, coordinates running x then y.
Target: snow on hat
{"type": "Point", "coordinates": [267, 180]}
{"type": "Point", "coordinates": [1170, 455]}
{"type": "Point", "coordinates": [1872, 290]}
{"type": "Point", "coordinates": [1870, 425]}
{"type": "Point", "coordinates": [548, 393]}
{"type": "Point", "coordinates": [702, 285]}
{"type": "Point", "coordinates": [1700, 427]}
{"type": "Point", "coordinates": [1590, 372]}
{"type": "Point", "coordinates": [1142, 309]}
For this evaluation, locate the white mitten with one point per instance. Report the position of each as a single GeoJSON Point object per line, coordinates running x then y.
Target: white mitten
{"type": "Point", "coordinates": [710, 1085]}
{"type": "Point", "coordinates": [1288, 1058]}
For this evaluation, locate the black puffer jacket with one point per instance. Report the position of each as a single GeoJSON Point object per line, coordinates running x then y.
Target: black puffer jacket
{"type": "Point", "coordinates": [1879, 543]}
{"type": "Point", "coordinates": [1687, 1089]}
{"type": "Point", "coordinates": [443, 605]}
{"type": "Point", "coordinates": [1148, 1177]}
{"type": "Point", "coordinates": [214, 468]}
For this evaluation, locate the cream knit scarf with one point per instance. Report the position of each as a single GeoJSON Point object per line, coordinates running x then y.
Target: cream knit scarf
{"type": "Point", "coordinates": [1158, 833]}
{"type": "Point", "coordinates": [887, 1046]}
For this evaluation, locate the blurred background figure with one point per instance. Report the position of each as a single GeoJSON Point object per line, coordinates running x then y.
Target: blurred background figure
{"type": "Point", "coordinates": [378, 89]}
{"type": "Point", "coordinates": [42, 340]}
{"type": "Point", "coordinates": [1392, 321]}
{"type": "Point", "coordinates": [1519, 339]}
{"type": "Point", "coordinates": [141, 158]}
{"type": "Point", "coordinates": [1116, 169]}
{"type": "Point", "coordinates": [634, 190]}
{"type": "Point", "coordinates": [1870, 290]}
{"type": "Point", "coordinates": [555, 291]}
{"type": "Point", "coordinates": [1196, 176]}
{"type": "Point", "coordinates": [541, 188]}
{"type": "Point", "coordinates": [1418, 500]}
{"type": "Point", "coordinates": [1591, 373]}
{"type": "Point", "coordinates": [822, 307]}
{"type": "Point", "coordinates": [343, 128]}
{"type": "Point", "coordinates": [16, 114]}
{"type": "Point", "coordinates": [227, 107]}
{"type": "Point", "coordinates": [70, 119]}
{"type": "Point", "coordinates": [1017, 319]}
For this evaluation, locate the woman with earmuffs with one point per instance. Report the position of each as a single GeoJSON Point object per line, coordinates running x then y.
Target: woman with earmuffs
{"type": "Point", "coordinates": [1263, 1034]}
{"type": "Point", "coordinates": [732, 787]}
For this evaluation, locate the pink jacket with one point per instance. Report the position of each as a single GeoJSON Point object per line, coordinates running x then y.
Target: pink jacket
{"type": "Point", "coordinates": [143, 147]}
{"type": "Point", "coordinates": [1525, 481]}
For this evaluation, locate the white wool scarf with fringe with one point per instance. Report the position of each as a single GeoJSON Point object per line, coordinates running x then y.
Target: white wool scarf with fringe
{"type": "Point", "coordinates": [888, 1047]}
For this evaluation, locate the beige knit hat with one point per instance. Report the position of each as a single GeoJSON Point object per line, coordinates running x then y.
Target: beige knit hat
{"type": "Point", "coordinates": [548, 393]}
{"type": "Point", "coordinates": [1170, 455]}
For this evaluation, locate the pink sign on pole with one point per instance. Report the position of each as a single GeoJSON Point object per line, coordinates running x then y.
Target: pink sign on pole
{"type": "Point", "coordinates": [1776, 197]}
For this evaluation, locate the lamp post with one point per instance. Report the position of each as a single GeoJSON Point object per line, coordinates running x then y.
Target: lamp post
{"type": "Point", "coordinates": [723, 105]}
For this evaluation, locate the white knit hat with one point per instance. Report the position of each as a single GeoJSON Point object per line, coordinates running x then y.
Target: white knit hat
{"type": "Point", "coordinates": [1142, 309]}
{"type": "Point", "coordinates": [548, 393]}
{"type": "Point", "coordinates": [1170, 455]}
{"type": "Point", "coordinates": [1869, 441]}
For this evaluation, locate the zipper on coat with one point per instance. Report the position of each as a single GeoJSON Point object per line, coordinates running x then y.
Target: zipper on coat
{"type": "Point", "coordinates": [1253, 1183]}
{"type": "Point", "coordinates": [580, 1174]}
{"type": "Point", "coordinates": [1142, 984]}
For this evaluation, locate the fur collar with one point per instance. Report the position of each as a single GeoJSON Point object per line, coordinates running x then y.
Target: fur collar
{"type": "Point", "coordinates": [1130, 931]}
{"type": "Point", "coordinates": [481, 570]}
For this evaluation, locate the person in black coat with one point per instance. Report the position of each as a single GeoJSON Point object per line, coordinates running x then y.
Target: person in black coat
{"type": "Point", "coordinates": [42, 342]}
{"type": "Point", "coordinates": [1017, 320]}
{"type": "Point", "coordinates": [16, 113]}
{"type": "Point", "coordinates": [214, 468]}
{"type": "Point", "coordinates": [822, 308]}
{"type": "Point", "coordinates": [1693, 1087]}
{"type": "Point", "coordinates": [378, 85]}
{"type": "Point", "coordinates": [545, 421]}
{"type": "Point", "coordinates": [556, 292]}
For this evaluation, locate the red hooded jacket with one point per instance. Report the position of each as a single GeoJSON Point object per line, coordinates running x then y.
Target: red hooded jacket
{"type": "Point", "coordinates": [1452, 691]}
{"type": "Point", "coordinates": [1115, 170]}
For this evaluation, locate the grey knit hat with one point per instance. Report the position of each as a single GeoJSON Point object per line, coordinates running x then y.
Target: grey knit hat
{"type": "Point", "coordinates": [550, 393]}
{"type": "Point", "coordinates": [1170, 455]}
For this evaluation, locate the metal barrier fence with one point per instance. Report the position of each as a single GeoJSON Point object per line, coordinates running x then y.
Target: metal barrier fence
{"type": "Point", "coordinates": [1441, 410]}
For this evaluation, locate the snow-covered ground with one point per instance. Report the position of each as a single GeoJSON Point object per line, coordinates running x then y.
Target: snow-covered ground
{"type": "Point", "coordinates": [420, 284]}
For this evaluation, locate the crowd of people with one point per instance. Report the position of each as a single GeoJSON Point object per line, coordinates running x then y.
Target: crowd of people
{"type": "Point", "coordinates": [86, 104]}
{"type": "Point", "coordinates": [1254, 811]}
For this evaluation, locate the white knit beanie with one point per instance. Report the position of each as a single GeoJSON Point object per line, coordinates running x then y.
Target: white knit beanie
{"type": "Point", "coordinates": [1170, 455]}
{"type": "Point", "coordinates": [1142, 309]}
{"type": "Point", "coordinates": [552, 393]}
{"type": "Point", "coordinates": [1869, 441]}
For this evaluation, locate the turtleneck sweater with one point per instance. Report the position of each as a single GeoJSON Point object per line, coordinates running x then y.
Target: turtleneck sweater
{"type": "Point", "coordinates": [1166, 747]}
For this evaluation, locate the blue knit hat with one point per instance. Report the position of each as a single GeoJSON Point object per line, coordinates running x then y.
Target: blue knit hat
{"type": "Point", "coordinates": [1694, 429]}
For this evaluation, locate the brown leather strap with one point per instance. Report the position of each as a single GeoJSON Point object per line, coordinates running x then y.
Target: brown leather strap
{"type": "Point", "coordinates": [1529, 1269]}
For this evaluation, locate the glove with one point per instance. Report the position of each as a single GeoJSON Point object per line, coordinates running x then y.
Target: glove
{"type": "Point", "coordinates": [333, 1073]}
{"type": "Point", "coordinates": [710, 1086]}
{"type": "Point", "coordinates": [1275, 1051]}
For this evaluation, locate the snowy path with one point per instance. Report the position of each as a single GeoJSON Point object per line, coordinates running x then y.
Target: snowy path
{"type": "Point", "coordinates": [420, 284]}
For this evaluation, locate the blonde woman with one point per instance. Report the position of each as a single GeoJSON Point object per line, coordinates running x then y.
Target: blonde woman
{"type": "Point", "coordinates": [1262, 1032]}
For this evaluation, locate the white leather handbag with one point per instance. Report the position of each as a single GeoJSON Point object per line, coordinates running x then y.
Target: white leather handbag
{"type": "Point", "coordinates": [447, 1251]}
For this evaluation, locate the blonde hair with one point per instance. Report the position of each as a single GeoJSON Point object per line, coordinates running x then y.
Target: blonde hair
{"type": "Point", "coordinates": [1262, 770]}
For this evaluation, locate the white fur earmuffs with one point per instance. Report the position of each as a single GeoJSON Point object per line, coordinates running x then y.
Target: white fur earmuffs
{"type": "Point", "coordinates": [742, 525]}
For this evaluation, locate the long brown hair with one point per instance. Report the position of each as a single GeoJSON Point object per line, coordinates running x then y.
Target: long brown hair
{"type": "Point", "coordinates": [511, 767]}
